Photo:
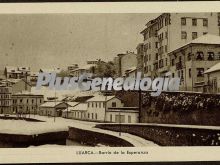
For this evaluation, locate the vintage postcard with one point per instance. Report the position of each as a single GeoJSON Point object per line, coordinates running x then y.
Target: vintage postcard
{"type": "Point", "coordinates": [108, 82]}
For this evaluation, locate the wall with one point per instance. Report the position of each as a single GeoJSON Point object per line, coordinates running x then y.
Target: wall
{"type": "Point", "coordinates": [169, 136]}
{"type": "Point", "coordinates": [94, 138]}
{"type": "Point", "coordinates": [133, 115]}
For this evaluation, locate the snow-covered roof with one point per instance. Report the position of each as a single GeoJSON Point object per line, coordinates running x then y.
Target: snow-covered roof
{"type": "Point", "coordinates": [50, 104]}
{"type": "Point", "coordinates": [72, 104]}
{"type": "Point", "coordinates": [214, 68]}
{"type": "Point", "coordinates": [78, 107]}
{"type": "Point", "coordinates": [50, 70]}
{"type": "Point", "coordinates": [100, 98]}
{"type": "Point", "coordinates": [205, 39]}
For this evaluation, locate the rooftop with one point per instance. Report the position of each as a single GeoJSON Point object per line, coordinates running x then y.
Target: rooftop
{"type": "Point", "coordinates": [100, 98]}
{"type": "Point", "coordinates": [207, 39]}
{"type": "Point", "coordinates": [214, 68]}
{"type": "Point", "coordinates": [50, 104]}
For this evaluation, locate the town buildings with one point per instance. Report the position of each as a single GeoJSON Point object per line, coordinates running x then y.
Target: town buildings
{"type": "Point", "coordinates": [124, 62]}
{"type": "Point", "coordinates": [5, 99]}
{"type": "Point", "coordinates": [191, 60]}
{"type": "Point", "coordinates": [170, 31]}
{"type": "Point", "coordinates": [26, 103]}
{"type": "Point", "coordinates": [52, 108]}
{"type": "Point", "coordinates": [98, 105]}
{"type": "Point", "coordinates": [17, 72]}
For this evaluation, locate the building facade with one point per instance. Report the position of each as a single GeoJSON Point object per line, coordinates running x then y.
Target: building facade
{"type": "Point", "coordinates": [52, 108]}
{"type": "Point", "coordinates": [213, 75]}
{"type": "Point", "coordinates": [190, 61]}
{"type": "Point", "coordinates": [98, 105]}
{"type": "Point", "coordinates": [23, 103]}
{"type": "Point", "coordinates": [5, 99]}
{"type": "Point", "coordinates": [169, 31]}
{"type": "Point", "coordinates": [123, 62]}
{"type": "Point", "coordinates": [122, 115]}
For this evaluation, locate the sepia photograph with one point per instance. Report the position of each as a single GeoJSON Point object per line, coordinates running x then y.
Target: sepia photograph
{"type": "Point", "coordinates": [109, 80]}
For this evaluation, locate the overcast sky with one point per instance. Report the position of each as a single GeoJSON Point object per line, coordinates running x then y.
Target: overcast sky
{"type": "Point", "coordinates": [46, 40]}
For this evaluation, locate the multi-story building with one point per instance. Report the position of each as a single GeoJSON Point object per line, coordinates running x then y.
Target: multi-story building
{"type": "Point", "coordinates": [140, 57]}
{"type": "Point", "coordinates": [191, 60]}
{"type": "Point", "coordinates": [17, 72]}
{"type": "Point", "coordinates": [25, 103]}
{"type": "Point", "coordinates": [124, 62]}
{"type": "Point", "coordinates": [17, 85]}
{"type": "Point", "coordinates": [169, 31]}
{"type": "Point", "coordinates": [5, 99]}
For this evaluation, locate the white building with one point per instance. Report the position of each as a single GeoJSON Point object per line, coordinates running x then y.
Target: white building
{"type": "Point", "coordinates": [214, 78]}
{"type": "Point", "coordinates": [52, 108]}
{"type": "Point", "coordinates": [169, 31]}
{"type": "Point", "coordinates": [77, 112]}
{"type": "Point", "coordinates": [122, 115]}
{"type": "Point", "coordinates": [98, 105]}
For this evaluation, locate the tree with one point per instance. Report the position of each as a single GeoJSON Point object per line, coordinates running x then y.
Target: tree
{"type": "Point", "coordinates": [104, 69]}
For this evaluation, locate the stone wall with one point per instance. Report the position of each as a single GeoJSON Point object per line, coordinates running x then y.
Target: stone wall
{"type": "Point", "coordinates": [92, 138]}
{"type": "Point", "coordinates": [168, 135]}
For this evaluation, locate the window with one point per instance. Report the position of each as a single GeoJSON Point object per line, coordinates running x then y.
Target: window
{"type": "Point", "coordinates": [189, 57]}
{"type": "Point", "coordinates": [183, 21]}
{"type": "Point", "coordinates": [156, 44]}
{"type": "Point", "coordinates": [32, 101]}
{"type": "Point", "coordinates": [183, 35]}
{"type": "Point", "coordinates": [110, 117]}
{"type": "Point", "coordinates": [194, 22]}
{"type": "Point", "coordinates": [129, 119]}
{"type": "Point", "coordinates": [156, 56]}
{"type": "Point", "coordinates": [194, 35]}
{"type": "Point", "coordinates": [173, 74]}
{"type": "Point", "coordinates": [172, 62]}
{"type": "Point", "coordinates": [204, 33]}
{"type": "Point", "coordinates": [96, 116]}
{"type": "Point", "coordinates": [190, 74]}
{"type": "Point", "coordinates": [149, 57]}
{"type": "Point", "coordinates": [166, 35]}
{"type": "Point", "coordinates": [92, 104]}
{"type": "Point", "coordinates": [166, 61]}
{"type": "Point", "coordinates": [88, 105]}
{"type": "Point", "coordinates": [92, 115]}
{"type": "Point", "coordinates": [211, 56]}
{"type": "Point", "coordinates": [200, 72]}
{"type": "Point", "coordinates": [200, 56]}
{"type": "Point", "coordinates": [113, 104]}
{"type": "Point", "coordinates": [205, 22]}
{"type": "Point", "coordinates": [100, 104]}
{"type": "Point", "coordinates": [88, 115]}
{"type": "Point", "coordinates": [165, 48]}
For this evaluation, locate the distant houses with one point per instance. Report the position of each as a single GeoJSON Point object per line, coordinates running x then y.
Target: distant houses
{"type": "Point", "coordinates": [52, 108]}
